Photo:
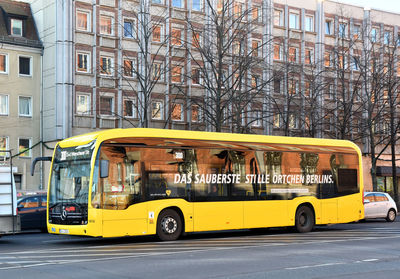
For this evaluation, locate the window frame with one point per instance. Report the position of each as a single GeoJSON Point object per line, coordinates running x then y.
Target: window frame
{"type": "Point", "coordinates": [88, 105]}
{"type": "Point", "coordinates": [111, 25]}
{"type": "Point", "coordinates": [198, 113]}
{"type": "Point", "coordinates": [12, 20]}
{"type": "Point", "coordinates": [134, 110]}
{"type": "Point", "coordinates": [7, 147]}
{"type": "Point", "coordinates": [201, 6]}
{"type": "Point", "coordinates": [107, 96]}
{"type": "Point", "coordinates": [161, 26]}
{"type": "Point", "coordinates": [88, 62]}
{"type": "Point", "coordinates": [181, 6]}
{"type": "Point", "coordinates": [297, 22]}
{"type": "Point", "coordinates": [161, 109]}
{"type": "Point", "coordinates": [88, 20]}
{"type": "Point", "coordinates": [280, 19]}
{"type": "Point", "coordinates": [133, 66]}
{"type": "Point", "coordinates": [182, 114]}
{"type": "Point", "coordinates": [111, 65]}
{"type": "Point", "coordinates": [307, 27]}
{"type": "Point", "coordinates": [30, 106]}
{"type": "Point", "coordinates": [175, 75]}
{"type": "Point", "coordinates": [132, 22]}
{"type": "Point", "coordinates": [176, 41]}
{"type": "Point", "coordinates": [5, 72]}
{"type": "Point", "coordinates": [328, 27]}
{"type": "Point", "coordinates": [29, 150]}
{"type": "Point", "coordinates": [7, 98]}
{"type": "Point", "coordinates": [30, 66]}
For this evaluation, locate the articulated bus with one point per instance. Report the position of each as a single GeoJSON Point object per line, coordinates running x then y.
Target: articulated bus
{"type": "Point", "coordinates": [130, 182]}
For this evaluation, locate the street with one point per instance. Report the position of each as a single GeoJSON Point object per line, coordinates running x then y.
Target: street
{"type": "Point", "coordinates": [359, 250]}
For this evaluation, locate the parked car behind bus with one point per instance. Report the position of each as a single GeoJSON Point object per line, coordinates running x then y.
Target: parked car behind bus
{"type": "Point", "coordinates": [379, 205]}
{"type": "Point", "coordinates": [32, 210]}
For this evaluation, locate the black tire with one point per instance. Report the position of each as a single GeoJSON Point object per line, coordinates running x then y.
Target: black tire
{"type": "Point", "coordinates": [169, 225]}
{"type": "Point", "coordinates": [304, 219]}
{"type": "Point", "coordinates": [391, 216]}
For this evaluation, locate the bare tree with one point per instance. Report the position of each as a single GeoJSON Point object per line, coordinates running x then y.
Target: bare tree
{"type": "Point", "coordinates": [226, 52]}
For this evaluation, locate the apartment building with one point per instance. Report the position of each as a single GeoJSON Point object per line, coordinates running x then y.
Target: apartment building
{"type": "Point", "coordinates": [95, 74]}
{"type": "Point", "coordinates": [20, 88]}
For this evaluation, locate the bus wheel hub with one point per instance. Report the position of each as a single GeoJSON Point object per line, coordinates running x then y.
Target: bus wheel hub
{"type": "Point", "coordinates": [169, 225]}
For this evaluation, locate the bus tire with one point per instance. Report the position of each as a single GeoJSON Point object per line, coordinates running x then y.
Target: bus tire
{"type": "Point", "coordinates": [391, 216]}
{"type": "Point", "coordinates": [304, 221]}
{"type": "Point", "coordinates": [169, 225]}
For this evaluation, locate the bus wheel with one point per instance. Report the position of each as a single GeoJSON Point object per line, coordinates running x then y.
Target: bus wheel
{"type": "Point", "coordinates": [391, 216]}
{"type": "Point", "coordinates": [169, 225]}
{"type": "Point", "coordinates": [304, 219]}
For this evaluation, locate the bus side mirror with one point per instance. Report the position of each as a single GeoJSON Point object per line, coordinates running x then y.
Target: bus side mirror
{"type": "Point", "coordinates": [104, 168]}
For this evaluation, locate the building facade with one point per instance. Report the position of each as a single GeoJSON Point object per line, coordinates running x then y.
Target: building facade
{"type": "Point", "coordinates": [20, 92]}
{"type": "Point", "coordinates": [96, 73]}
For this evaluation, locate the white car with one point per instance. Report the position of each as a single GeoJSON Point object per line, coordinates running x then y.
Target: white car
{"type": "Point", "coordinates": [379, 205]}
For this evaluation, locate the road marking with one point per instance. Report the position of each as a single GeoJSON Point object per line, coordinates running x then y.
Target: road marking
{"type": "Point", "coordinates": [311, 266]}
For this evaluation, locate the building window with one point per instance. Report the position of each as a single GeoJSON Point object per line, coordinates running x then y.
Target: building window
{"type": "Point", "coordinates": [25, 106]}
{"type": "Point", "coordinates": [374, 35]}
{"type": "Point", "coordinates": [83, 104]}
{"type": "Point", "coordinates": [3, 104]}
{"type": "Point", "coordinates": [386, 37]}
{"type": "Point", "coordinates": [130, 108]}
{"type": "Point", "coordinates": [309, 22]}
{"type": "Point", "coordinates": [3, 146]}
{"type": "Point", "coordinates": [293, 121]}
{"type": "Point", "coordinates": [197, 5]}
{"type": "Point", "coordinates": [177, 112]}
{"type": "Point", "coordinates": [293, 87]}
{"type": "Point", "coordinates": [195, 113]}
{"type": "Point", "coordinates": [236, 48]}
{"type": "Point", "coordinates": [294, 22]}
{"type": "Point", "coordinates": [256, 14]}
{"type": "Point", "coordinates": [309, 56]}
{"type": "Point", "coordinates": [156, 72]}
{"type": "Point", "coordinates": [238, 10]}
{"type": "Point", "coordinates": [328, 27]}
{"type": "Point", "coordinates": [255, 46]}
{"type": "Point", "coordinates": [343, 30]}
{"type": "Point", "coordinates": [82, 62]}
{"type": "Point", "coordinates": [83, 21]}
{"type": "Point", "coordinates": [176, 37]}
{"type": "Point", "coordinates": [25, 66]}
{"type": "Point", "coordinates": [129, 28]}
{"type": "Point", "coordinates": [129, 68]}
{"type": "Point", "coordinates": [307, 89]}
{"type": "Point", "coordinates": [277, 52]}
{"type": "Point", "coordinates": [356, 32]}
{"type": "Point", "coordinates": [157, 110]}
{"type": "Point", "coordinates": [255, 81]}
{"type": "Point", "coordinates": [156, 1]}
{"type": "Point", "coordinates": [176, 74]}
{"type": "Point", "coordinates": [327, 59]}
{"type": "Point", "coordinates": [177, 3]}
{"type": "Point", "coordinates": [16, 27]}
{"type": "Point", "coordinates": [157, 33]}
{"type": "Point", "coordinates": [293, 54]}
{"type": "Point", "coordinates": [196, 76]}
{"type": "Point", "coordinates": [355, 63]}
{"type": "Point", "coordinates": [106, 105]}
{"type": "Point", "coordinates": [329, 92]}
{"type": "Point", "coordinates": [196, 39]}
{"type": "Point", "coordinates": [3, 63]}
{"type": "Point", "coordinates": [106, 65]}
{"type": "Point", "coordinates": [277, 120]}
{"type": "Point", "coordinates": [278, 17]}
{"type": "Point", "coordinates": [106, 25]}
{"type": "Point", "coordinates": [24, 147]}
{"type": "Point", "coordinates": [256, 118]}
{"type": "Point", "coordinates": [277, 85]}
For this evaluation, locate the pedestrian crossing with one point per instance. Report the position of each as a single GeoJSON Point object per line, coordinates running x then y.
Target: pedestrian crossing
{"type": "Point", "coordinates": [81, 250]}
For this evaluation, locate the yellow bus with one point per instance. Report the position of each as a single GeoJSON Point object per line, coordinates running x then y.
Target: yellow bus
{"type": "Point", "coordinates": [129, 182]}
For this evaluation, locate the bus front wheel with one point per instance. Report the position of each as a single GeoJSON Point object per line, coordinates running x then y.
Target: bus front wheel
{"type": "Point", "coordinates": [304, 219]}
{"type": "Point", "coordinates": [169, 225]}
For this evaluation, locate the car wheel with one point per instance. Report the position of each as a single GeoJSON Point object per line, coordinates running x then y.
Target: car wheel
{"type": "Point", "coordinates": [304, 219]}
{"type": "Point", "coordinates": [391, 216]}
{"type": "Point", "coordinates": [169, 225]}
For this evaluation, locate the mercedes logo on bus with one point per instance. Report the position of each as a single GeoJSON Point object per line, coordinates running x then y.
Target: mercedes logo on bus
{"type": "Point", "coordinates": [64, 215]}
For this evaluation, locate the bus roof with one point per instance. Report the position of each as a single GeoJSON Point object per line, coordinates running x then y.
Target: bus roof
{"type": "Point", "coordinates": [214, 136]}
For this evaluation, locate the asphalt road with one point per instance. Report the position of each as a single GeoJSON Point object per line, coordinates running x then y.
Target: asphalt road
{"type": "Point", "coordinates": [358, 250]}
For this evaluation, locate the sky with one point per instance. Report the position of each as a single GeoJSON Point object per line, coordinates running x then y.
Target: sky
{"type": "Point", "coordinates": [386, 5]}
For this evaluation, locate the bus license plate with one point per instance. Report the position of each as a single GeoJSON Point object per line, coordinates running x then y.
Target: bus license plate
{"type": "Point", "coordinates": [64, 231]}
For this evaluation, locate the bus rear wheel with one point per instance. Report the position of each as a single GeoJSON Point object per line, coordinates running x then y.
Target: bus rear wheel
{"type": "Point", "coordinates": [169, 225]}
{"type": "Point", "coordinates": [304, 219]}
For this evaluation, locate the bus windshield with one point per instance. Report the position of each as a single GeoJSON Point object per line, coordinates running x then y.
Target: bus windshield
{"type": "Point", "coordinates": [70, 175]}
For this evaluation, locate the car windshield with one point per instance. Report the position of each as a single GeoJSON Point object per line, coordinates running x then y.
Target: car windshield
{"type": "Point", "coordinates": [70, 175]}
